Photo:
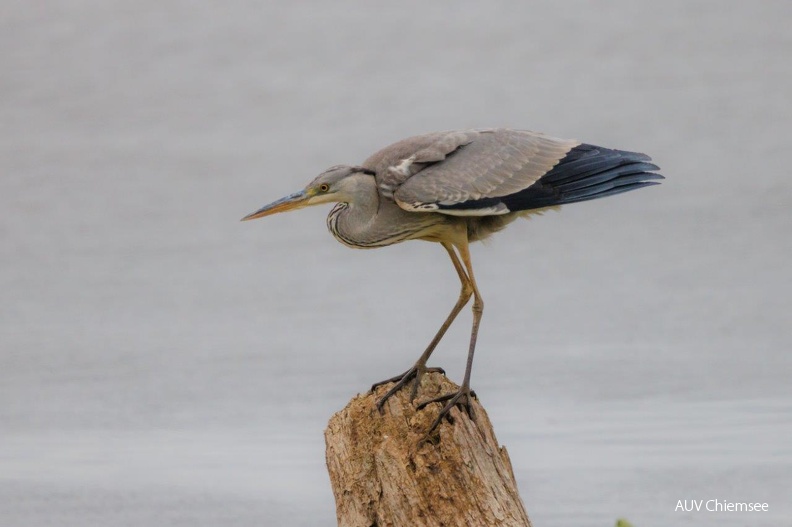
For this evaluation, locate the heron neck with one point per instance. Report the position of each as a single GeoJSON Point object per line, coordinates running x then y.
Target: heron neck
{"type": "Point", "coordinates": [364, 201]}
{"type": "Point", "coordinates": [353, 221]}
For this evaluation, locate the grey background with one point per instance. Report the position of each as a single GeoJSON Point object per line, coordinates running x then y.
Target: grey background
{"type": "Point", "coordinates": [164, 364]}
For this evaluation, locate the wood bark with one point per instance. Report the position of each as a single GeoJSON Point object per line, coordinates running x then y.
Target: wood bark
{"type": "Point", "coordinates": [383, 474]}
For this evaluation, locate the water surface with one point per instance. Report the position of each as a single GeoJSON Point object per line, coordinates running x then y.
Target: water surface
{"type": "Point", "coordinates": [163, 364]}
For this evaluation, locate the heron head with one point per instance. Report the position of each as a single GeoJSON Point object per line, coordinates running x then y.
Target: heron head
{"type": "Point", "coordinates": [328, 187]}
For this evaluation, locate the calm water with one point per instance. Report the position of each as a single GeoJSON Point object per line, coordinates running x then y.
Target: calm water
{"type": "Point", "coordinates": [163, 364]}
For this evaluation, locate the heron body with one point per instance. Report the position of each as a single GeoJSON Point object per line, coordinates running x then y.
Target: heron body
{"type": "Point", "coordinates": [458, 187]}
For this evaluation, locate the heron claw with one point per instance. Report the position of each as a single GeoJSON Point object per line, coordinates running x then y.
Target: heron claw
{"type": "Point", "coordinates": [416, 372]}
{"type": "Point", "coordinates": [460, 398]}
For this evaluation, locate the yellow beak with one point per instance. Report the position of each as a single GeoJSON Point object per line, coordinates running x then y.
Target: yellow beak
{"type": "Point", "coordinates": [290, 202]}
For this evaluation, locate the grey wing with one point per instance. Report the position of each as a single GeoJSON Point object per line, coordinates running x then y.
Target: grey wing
{"type": "Point", "coordinates": [471, 167]}
{"type": "Point", "coordinates": [396, 163]}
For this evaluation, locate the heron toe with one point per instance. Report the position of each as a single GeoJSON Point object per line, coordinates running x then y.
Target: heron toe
{"type": "Point", "coordinates": [459, 398]}
{"type": "Point", "coordinates": [416, 372]}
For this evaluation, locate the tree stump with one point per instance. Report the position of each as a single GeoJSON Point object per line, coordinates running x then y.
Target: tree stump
{"type": "Point", "coordinates": [383, 474]}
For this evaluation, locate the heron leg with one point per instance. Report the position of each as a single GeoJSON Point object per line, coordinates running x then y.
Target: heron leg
{"type": "Point", "coordinates": [463, 395]}
{"type": "Point", "coordinates": [417, 371]}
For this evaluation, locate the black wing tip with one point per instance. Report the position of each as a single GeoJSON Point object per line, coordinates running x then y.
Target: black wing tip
{"type": "Point", "coordinates": [587, 172]}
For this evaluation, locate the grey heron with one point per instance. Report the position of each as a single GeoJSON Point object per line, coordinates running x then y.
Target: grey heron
{"type": "Point", "coordinates": [455, 188]}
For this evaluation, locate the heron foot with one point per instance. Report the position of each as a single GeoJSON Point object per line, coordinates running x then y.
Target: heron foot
{"type": "Point", "coordinates": [415, 374]}
{"type": "Point", "coordinates": [459, 398]}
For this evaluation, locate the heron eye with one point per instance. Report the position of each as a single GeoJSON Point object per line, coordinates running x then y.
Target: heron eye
{"type": "Point", "coordinates": [324, 187]}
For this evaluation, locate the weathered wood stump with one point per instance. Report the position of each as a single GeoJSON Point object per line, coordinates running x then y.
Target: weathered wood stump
{"type": "Point", "coordinates": [383, 474]}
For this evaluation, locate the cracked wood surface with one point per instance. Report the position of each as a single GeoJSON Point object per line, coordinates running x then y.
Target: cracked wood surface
{"type": "Point", "coordinates": [383, 475]}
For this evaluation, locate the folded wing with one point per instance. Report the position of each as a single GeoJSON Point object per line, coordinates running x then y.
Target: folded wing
{"type": "Point", "coordinates": [487, 172]}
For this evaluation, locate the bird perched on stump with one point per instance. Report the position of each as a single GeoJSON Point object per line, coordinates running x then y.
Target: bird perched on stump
{"type": "Point", "coordinates": [458, 187]}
